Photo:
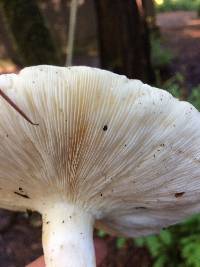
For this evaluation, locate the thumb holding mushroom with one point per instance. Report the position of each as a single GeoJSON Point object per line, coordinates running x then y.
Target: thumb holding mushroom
{"type": "Point", "coordinates": [107, 152]}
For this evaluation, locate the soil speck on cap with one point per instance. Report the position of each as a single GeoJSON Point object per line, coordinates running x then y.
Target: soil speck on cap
{"type": "Point", "coordinates": [180, 194]}
{"type": "Point", "coordinates": [105, 127]}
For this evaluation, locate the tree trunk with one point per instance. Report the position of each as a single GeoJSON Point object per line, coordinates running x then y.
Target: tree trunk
{"type": "Point", "coordinates": [150, 13]}
{"type": "Point", "coordinates": [123, 39]}
{"type": "Point", "coordinates": [30, 34]}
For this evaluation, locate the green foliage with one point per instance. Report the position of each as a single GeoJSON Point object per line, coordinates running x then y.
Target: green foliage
{"type": "Point", "coordinates": [121, 242]}
{"type": "Point", "coordinates": [173, 5]}
{"type": "Point", "coordinates": [194, 97]}
{"type": "Point", "coordinates": [101, 233]}
{"type": "Point", "coordinates": [173, 85]}
{"type": "Point", "coordinates": [160, 56]}
{"type": "Point", "coordinates": [160, 247]}
{"type": "Point", "coordinates": [178, 246]}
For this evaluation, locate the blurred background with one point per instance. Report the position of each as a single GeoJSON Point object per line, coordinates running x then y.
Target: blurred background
{"type": "Point", "coordinates": [157, 41]}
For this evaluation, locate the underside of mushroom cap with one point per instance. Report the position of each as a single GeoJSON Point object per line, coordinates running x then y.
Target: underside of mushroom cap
{"type": "Point", "coordinates": [126, 152]}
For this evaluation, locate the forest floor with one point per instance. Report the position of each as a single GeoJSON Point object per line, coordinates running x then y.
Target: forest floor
{"type": "Point", "coordinates": [20, 236]}
{"type": "Point", "coordinates": [181, 34]}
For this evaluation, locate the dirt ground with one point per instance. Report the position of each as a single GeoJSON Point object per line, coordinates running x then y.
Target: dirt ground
{"type": "Point", "coordinates": [20, 243]}
{"type": "Point", "coordinates": [181, 33]}
{"type": "Point", "coordinates": [20, 237]}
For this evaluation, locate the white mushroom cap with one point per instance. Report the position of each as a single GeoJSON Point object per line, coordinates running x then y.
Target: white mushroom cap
{"type": "Point", "coordinates": [6, 80]}
{"type": "Point", "coordinates": [119, 150]}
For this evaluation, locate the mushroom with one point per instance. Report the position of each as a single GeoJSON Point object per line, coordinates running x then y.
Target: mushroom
{"type": "Point", "coordinates": [107, 151]}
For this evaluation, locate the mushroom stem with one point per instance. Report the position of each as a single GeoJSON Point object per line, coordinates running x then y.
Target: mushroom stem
{"type": "Point", "coordinates": [68, 237]}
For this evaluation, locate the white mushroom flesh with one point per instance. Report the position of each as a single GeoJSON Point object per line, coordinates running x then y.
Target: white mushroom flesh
{"type": "Point", "coordinates": [122, 152]}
